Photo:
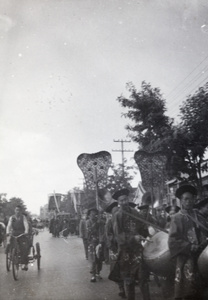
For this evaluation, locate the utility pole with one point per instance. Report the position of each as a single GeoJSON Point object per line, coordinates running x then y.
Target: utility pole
{"type": "Point", "coordinates": [122, 150]}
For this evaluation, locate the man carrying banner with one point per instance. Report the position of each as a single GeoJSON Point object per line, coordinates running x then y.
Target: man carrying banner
{"type": "Point", "coordinates": [129, 233]}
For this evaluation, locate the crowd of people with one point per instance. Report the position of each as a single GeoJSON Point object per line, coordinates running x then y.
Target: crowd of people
{"type": "Point", "coordinates": [120, 239]}
{"type": "Point", "coordinates": [118, 235]}
{"type": "Point", "coordinates": [63, 224]}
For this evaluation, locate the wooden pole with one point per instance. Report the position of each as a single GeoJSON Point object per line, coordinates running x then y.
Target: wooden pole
{"type": "Point", "coordinates": [96, 188]}
{"type": "Point", "coordinates": [56, 201]}
{"type": "Point", "coordinates": [152, 194]}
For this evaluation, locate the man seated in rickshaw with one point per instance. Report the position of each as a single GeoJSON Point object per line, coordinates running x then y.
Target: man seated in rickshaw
{"type": "Point", "coordinates": [31, 232]}
{"type": "Point", "coordinates": [18, 225]}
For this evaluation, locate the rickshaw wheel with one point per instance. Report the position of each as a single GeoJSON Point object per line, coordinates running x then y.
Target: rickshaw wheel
{"type": "Point", "coordinates": [15, 264]}
{"type": "Point", "coordinates": [8, 259]}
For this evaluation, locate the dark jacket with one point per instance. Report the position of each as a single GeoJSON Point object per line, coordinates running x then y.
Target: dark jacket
{"type": "Point", "coordinates": [184, 233]}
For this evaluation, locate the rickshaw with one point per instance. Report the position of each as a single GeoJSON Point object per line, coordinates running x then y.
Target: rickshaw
{"type": "Point", "coordinates": [14, 257]}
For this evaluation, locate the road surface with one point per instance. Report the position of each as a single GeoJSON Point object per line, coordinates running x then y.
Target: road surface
{"type": "Point", "coordinates": [64, 275]}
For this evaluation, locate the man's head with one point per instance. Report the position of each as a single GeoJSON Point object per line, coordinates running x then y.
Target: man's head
{"type": "Point", "coordinates": [205, 191]}
{"type": "Point", "coordinates": [108, 196]}
{"type": "Point", "coordinates": [202, 206]}
{"type": "Point", "coordinates": [172, 209]}
{"type": "Point", "coordinates": [187, 200]}
{"type": "Point", "coordinates": [187, 195]}
{"type": "Point", "coordinates": [144, 210]}
{"type": "Point", "coordinates": [145, 204]}
{"type": "Point", "coordinates": [122, 196]}
{"type": "Point", "coordinates": [84, 214]}
{"type": "Point", "coordinates": [123, 200]}
{"type": "Point", "coordinates": [160, 212]}
{"type": "Point", "coordinates": [204, 210]}
{"type": "Point", "coordinates": [93, 213]}
{"type": "Point", "coordinates": [105, 195]}
{"type": "Point", "coordinates": [18, 210]}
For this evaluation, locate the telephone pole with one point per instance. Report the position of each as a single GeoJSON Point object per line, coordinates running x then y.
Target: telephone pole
{"type": "Point", "coordinates": [122, 150]}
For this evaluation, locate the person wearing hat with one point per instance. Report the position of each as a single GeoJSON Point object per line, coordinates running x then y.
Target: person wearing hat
{"type": "Point", "coordinates": [95, 237]}
{"type": "Point", "coordinates": [105, 196]}
{"type": "Point", "coordinates": [187, 238]}
{"type": "Point", "coordinates": [172, 209]}
{"type": "Point", "coordinates": [161, 216]}
{"type": "Point", "coordinates": [110, 238]}
{"type": "Point", "coordinates": [113, 247]}
{"type": "Point", "coordinates": [129, 233]}
{"type": "Point", "coordinates": [202, 207]}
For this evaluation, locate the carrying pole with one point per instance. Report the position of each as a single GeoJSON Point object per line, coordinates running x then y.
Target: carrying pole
{"type": "Point", "coordinates": [56, 201]}
{"type": "Point", "coordinates": [96, 188]}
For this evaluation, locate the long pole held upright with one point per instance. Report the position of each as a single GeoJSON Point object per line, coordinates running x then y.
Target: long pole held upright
{"type": "Point", "coordinates": [56, 201]}
{"type": "Point", "coordinates": [152, 199]}
{"type": "Point", "coordinates": [96, 187]}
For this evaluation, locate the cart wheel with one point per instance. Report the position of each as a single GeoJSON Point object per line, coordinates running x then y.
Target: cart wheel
{"type": "Point", "coordinates": [8, 258]}
{"type": "Point", "coordinates": [38, 255]}
{"type": "Point", "coordinates": [15, 264]}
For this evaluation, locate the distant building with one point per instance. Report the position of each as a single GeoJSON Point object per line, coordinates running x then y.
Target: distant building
{"type": "Point", "coordinates": [54, 201]}
{"type": "Point", "coordinates": [173, 184]}
{"type": "Point", "coordinates": [44, 214]}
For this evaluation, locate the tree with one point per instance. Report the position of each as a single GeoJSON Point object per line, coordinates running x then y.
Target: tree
{"type": "Point", "coordinates": [146, 109]}
{"type": "Point", "coordinates": [9, 206]}
{"type": "Point", "coordinates": [150, 127]}
{"type": "Point", "coordinates": [184, 144]}
{"type": "Point", "coordinates": [191, 138]}
{"type": "Point", "coordinates": [117, 181]}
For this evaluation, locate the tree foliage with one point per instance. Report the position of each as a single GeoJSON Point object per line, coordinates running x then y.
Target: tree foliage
{"type": "Point", "coordinates": [191, 137]}
{"type": "Point", "coordinates": [184, 144]}
{"type": "Point", "coordinates": [146, 108]}
{"type": "Point", "coordinates": [118, 179]}
{"type": "Point", "coordinates": [9, 206]}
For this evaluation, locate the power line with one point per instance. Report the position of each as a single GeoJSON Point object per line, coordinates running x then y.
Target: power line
{"type": "Point", "coordinates": [187, 76]}
{"type": "Point", "coordinates": [192, 90]}
{"type": "Point", "coordinates": [184, 88]}
{"type": "Point", "coordinates": [196, 86]}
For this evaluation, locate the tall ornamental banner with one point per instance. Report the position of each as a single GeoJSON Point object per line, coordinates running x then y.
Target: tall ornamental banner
{"type": "Point", "coordinates": [95, 168]}
{"type": "Point", "coordinates": [152, 168]}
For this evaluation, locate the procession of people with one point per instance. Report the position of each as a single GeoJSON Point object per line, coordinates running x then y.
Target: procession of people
{"type": "Point", "coordinates": [128, 228]}
{"type": "Point", "coordinates": [120, 234]}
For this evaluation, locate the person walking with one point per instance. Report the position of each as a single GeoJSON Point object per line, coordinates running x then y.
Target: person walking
{"type": "Point", "coordinates": [129, 233]}
{"type": "Point", "coordinates": [83, 231]}
{"type": "Point", "coordinates": [187, 239]}
{"type": "Point", "coordinates": [95, 236]}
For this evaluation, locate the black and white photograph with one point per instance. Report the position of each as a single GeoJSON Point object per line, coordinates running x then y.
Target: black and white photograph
{"type": "Point", "coordinates": [103, 149]}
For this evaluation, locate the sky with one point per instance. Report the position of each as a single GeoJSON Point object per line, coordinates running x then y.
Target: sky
{"type": "Point", "coordinates": [63, 63]}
